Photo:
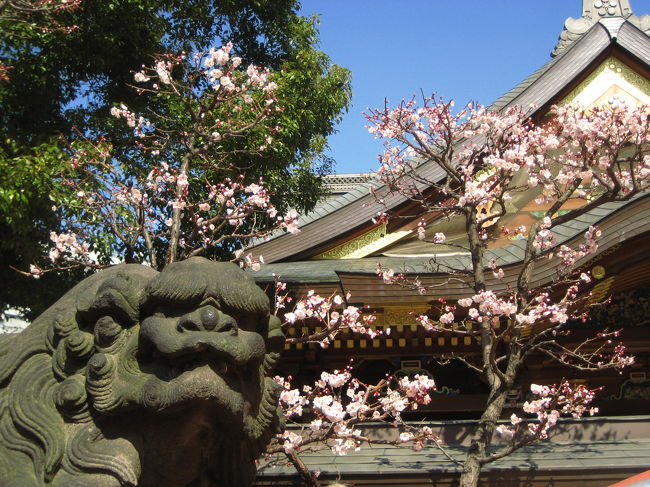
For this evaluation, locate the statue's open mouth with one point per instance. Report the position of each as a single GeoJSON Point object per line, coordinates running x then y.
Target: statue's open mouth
{"type": "Point", "coordinates": [220, 365]}
{"type": "Point", "coordinates": [191, 356]}
{"type": "Point", "coordinates": [221, 368]}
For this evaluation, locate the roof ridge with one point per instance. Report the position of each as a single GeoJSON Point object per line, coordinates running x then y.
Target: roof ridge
{"type": "Point", "coordinates": [610, 13]}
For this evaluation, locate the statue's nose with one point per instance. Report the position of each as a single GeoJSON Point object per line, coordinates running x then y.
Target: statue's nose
{"type": "Point", "coordinates": [208, 318]}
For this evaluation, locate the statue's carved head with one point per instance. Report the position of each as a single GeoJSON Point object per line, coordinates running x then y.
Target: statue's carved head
{"type": "Point", "coordinates": [137, 377]}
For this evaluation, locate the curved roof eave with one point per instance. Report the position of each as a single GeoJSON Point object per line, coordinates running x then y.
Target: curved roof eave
{"type": "Point", "coordinates": [328, 271]}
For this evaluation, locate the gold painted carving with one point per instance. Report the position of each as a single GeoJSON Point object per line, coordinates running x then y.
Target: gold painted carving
{"type": "Point", "coordinates": [402, 315]}
{"type": "Point", "coordinates": [611, 80]}
{"type": "Point", "coordinates": [364, 245]}
{"type": "Point", "coordinates": [600, 292]}
{"type": "Point", "coordinates": [598, 271]}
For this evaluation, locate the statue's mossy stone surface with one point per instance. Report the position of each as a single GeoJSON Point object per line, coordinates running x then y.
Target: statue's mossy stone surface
{"type": "Point", "coordinates": [136, 377]}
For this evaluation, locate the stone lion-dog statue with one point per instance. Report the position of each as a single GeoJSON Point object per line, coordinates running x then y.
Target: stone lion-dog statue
{"type": "Point", "coordinates": [142, 378]}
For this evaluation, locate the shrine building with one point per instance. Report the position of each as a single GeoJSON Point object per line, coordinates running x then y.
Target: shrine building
{"type": "Point", "coordinates": [603, 57]}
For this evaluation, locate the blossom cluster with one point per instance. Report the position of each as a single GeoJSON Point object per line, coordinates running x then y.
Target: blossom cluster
{"type": "Point", "coordinates": [218, 67]}
{"type": "Point", "coordinates": [489, 155]}
{"type": "Point", "coordinates": [337, 401]}
{"type": "Point", "coordinates": [596, 152]}
{"type": "Point", "coordinates": [569, 256]}
{"type": "Point", "coordinates": [551, 402]}
{"type": "Point", "coordinates": [388, 275]}
{"type": "Point", "coordinates": [67, 244]}
{"type": "Point", "coordinates": [484, 306]}
{"type": "Point", "coordinates": [331, 312]}
{"type": "Point", "coordinates": [414, 133]}
{"type": "Point", "coordinates": [227, 100]}
{"type": "Point", "coordinates": [229, 205]}
{"type": "Point", "coordinates": [138, 123]}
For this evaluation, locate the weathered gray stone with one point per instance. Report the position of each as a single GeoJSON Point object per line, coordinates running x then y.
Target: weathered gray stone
{"type": "Point", "coordinates": [136, 377]}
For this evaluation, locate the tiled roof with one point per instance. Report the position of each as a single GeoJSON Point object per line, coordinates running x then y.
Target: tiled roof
{"type": "Point", "coordinates": [538, 458]}
{"type": "Point", "coordinates": [505, 99]}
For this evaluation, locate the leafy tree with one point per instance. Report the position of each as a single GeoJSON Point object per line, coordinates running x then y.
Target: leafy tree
{"type": "Point", "coordinates": [26, 219]}
{"type": "Point", "coordinates": [62, 83]}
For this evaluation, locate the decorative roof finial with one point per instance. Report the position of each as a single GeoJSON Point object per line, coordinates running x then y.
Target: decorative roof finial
{"type": "Point", "coordinates": [606, 8]}
{"type": "Point", "coordinates": [611, 13]}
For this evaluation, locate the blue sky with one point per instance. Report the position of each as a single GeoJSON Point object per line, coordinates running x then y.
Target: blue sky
{"type": "Point", "coordinates": [463, 49]}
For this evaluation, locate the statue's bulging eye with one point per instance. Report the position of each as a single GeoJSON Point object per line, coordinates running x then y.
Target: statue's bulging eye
{"type": "Point", "coordinates": [209, 317]}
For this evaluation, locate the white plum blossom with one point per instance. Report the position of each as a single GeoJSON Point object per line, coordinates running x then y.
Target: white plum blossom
{"type": "Point", "coordinates": [67, 246]}
{"type": "Point", "coordinates": [421, 230]}
{"type": "Point", "coordinates": [140, 77]}
{"type": "Point", "coordinates": [406, 436]}
{"type": "Point", "coordinates": [292, 441]}
{"type": "Point", "coordinates": [162, 70]}
{"type": "Point", "coordinates": [439, 238]}
{"type": "Point", "coordinates": [35, 271]}
{"type": "Point", "coordinates": [447, 318]}
{"type": "Point", "coordinates": [290, 221]}
{"type": "Point", "coordinates": [336, 379]}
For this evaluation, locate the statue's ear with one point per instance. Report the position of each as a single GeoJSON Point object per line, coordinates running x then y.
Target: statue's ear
{"type": "Point", "coordinates": [117, 297]}
{"type": "Point", "coordinates": [275, 340]}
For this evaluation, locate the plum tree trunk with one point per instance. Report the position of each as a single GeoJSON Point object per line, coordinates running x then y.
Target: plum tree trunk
{"type": "Point", "coordinates": [482, 437]}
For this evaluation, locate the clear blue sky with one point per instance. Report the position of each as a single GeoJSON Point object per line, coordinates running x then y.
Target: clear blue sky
{"type": "Point", "coordinates": [463, 49]}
